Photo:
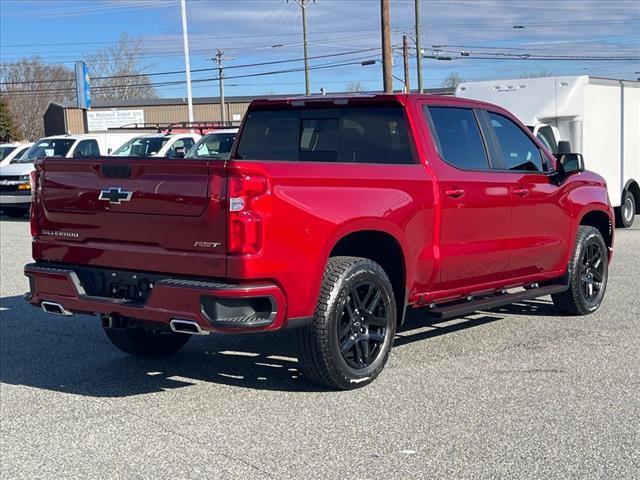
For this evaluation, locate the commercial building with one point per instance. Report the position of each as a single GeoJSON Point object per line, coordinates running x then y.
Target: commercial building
{"type": "Point", "coordinates": [61, 118]}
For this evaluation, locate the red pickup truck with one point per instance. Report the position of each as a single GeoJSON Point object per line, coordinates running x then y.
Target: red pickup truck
{"type": "Point", "coordinates": [334, 215]}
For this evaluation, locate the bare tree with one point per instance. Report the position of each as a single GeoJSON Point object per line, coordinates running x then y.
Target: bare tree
{"type": "Point", "coordinates": [28, 86]}
{"type": "Point", "coordinates": [452, 81]}
{"type": "Point", "coordinates": [541, 73]}
{"type": "Point", "coordinates": [118, 72]}
{"type": "Point", "coordinates": [355, 86]}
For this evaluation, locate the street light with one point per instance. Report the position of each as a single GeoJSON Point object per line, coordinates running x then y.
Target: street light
{"type": "Point", "coordinates": [374, 61]}
{"type": "Point", "coordinates": [438, 57]}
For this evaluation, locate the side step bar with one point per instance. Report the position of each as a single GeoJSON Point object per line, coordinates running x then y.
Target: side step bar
{"type": "Point", "coordinates": [464, 307]}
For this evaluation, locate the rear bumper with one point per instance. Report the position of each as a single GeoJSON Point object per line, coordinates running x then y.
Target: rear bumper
{"type": "Point", "coordinates": [214, 306]}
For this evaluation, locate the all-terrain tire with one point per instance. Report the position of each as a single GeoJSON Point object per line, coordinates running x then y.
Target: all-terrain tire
{"type": "Point", "coordinates": [320, 350]}
{"type": "Point", "coordinates": [146, 342]}
{"type": "Point", "coordinates": [576, 301]}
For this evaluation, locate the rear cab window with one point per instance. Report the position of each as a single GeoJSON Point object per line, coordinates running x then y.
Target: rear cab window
{"type": "Point", "coordinates": [349, 134]}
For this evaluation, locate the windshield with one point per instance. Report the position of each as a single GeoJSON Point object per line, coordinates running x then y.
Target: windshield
{"type": "Point", "coordinates": [4, 151]}
{"type": "Point", "coordinates": [20, 154]}
{"type": "Point", "coordinates": [52, 147]}
{"type": "Point", "coordinates": [215, 146]}
{"type": "Point", "coordinates": [141, 147]}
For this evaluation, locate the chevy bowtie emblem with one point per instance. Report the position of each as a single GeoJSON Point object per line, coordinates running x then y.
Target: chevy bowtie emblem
{"type": "Point", "coordinates": [115, 195]}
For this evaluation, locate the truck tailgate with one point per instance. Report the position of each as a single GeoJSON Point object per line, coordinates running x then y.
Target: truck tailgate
{"type": "Point", "coordinates": [112, 212]}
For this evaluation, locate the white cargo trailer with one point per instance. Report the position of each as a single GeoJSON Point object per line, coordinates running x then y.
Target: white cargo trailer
{"type": "Point", "coordinates": [599, 116]}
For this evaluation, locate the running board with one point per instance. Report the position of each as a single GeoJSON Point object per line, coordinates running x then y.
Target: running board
{"type": "Point", "coordinates": [485, 302]}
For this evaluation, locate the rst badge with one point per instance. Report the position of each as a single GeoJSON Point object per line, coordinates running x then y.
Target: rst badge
{"type": "Point", "coordinates": [115, 195]}
{"type": "Point", "coordinates": [206, 244]}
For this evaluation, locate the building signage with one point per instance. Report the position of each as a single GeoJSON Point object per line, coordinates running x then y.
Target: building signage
{"type": "Point", "coordinates": [101, 120]}
{"type": "Point", "coordinates": [83, 89]}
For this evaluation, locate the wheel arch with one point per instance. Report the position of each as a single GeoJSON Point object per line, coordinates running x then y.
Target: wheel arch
{"type": "Point", "coordinates": [602, 221]}
{"type": "Point", "coordinates": [633, 187]}
{"type": "Point", "coordinates": [383, 248]}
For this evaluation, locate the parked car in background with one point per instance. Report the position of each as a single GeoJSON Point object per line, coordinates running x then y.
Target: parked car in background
{"type": "Point", "coordinates": [214, 146]}
{"type": "Point", "coordinates": [598, 117]}
{"type": "Point", "coordinates": [333, 215]}
{"type": "Point", "coordinates": [170, 145]}
{"type": "Point", "coordinates": [12, 151]}
{"type": "Point", "coordinates": [15, 190]}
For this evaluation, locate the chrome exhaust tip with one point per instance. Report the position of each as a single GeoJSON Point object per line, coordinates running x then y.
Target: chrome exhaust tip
{"type": "Point", "coordinates": [55, 309]}
{"type": "Point", "coordinates": [186, 326]}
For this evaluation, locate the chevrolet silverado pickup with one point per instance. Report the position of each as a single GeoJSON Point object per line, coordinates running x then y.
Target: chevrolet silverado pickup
{"type": "Point", "coordinates": [333, 216]}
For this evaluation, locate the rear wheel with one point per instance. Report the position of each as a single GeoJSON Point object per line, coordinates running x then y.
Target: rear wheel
{"type": "Point", "coordinates": [349, 341]}
{"type": "Point", "coordinates": [588, 274]}
{"type": "Point", "coordinates": [16, 212]}
{"type": "Point", "coordinates": [147, 342]}
{"type": "Point", "coordinates": [626, 212]}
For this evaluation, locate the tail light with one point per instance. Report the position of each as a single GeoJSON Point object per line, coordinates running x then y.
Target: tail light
{"type": "Point", "coordinates": [33, 182]}
{"type": "Point", "coordinates": [245, 219]}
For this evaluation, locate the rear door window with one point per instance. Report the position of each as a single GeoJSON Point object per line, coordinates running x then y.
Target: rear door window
{"type": "Point", "coordinates": [349, 134]}
{"type": "Point", "coordinates": [458, 138]}
{"type": "Point", "coordinates": [519, 152]}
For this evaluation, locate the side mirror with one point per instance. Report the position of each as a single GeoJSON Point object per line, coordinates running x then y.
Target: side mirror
{"type": "Point", "coordinates": [571, 163]}
{"type": "Point", "coordinates": [564, 146]}
{"type": "Point", "coordinates": [178, 152]}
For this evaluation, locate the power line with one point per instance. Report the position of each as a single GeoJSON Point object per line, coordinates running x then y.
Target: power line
{"type": "Point", "coordinates": [201, 80]}
{"type": "Point", "coordinates": [197, 70]}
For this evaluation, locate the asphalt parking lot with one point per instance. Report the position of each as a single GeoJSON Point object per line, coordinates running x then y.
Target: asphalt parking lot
{"type": "Point", "coordinates": [516, 392]}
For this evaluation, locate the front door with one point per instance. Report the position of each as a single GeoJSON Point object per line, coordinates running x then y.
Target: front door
{"type": "Point", "coordinates": [540, 225]}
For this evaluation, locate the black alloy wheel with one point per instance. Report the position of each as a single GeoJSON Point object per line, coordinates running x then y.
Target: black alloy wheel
{"type": "Point", "coordinates": [587, 272]}
{"type": "Point", "coordinates": [363, 325]}
{"type": "Point", "coordinates": [592, 271]}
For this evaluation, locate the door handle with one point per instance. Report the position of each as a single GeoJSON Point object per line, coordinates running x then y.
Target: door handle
{"type": "Point", "coordinates": [454, 192]}
{"type": "Point", "coordinates": [521, 191]}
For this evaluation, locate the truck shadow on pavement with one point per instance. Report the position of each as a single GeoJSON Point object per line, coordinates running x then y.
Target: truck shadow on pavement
{"type": "Point", "coordinates": [72, 354]}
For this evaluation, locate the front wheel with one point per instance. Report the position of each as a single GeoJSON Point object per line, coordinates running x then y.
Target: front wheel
{"type": "Point", "coordinates": [147, 342]}
{"type": "Point", "coordinates": [349, 341]}
{"type": "Point", "coordinates": [588, 274]}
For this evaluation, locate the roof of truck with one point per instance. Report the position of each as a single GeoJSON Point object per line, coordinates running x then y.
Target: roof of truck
{"type": "Point", "coordinates": [363, 98]}
{"type": "Point", "coordinates": [81, 136]}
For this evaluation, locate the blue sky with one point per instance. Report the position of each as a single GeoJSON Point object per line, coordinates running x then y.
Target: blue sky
{"type": "Point", "coordinates": [254, 31]}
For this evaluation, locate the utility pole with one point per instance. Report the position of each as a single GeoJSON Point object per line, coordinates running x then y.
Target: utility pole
{"type": "Point", "coordinates": [307, 82]}
{"type": "Point", "coordinates": [405, 58]}
{"type": "Point", "coordinates": [218, 58]}
{"type": "Point", "coordinates": [387, 65]}
{"type": "Point", "coordinates": [187, 64]}
{"type": "Point", "coordinates": [418, 47]}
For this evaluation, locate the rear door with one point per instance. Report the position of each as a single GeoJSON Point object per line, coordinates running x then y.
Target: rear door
{"type": "Point", "coordinates": [475, 210]}
{"type": "Point", "coordinates": [137, 210]}
{"type": "Point", "coordinates": [540, 223]}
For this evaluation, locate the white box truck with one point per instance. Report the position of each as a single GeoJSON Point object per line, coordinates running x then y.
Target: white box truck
{"type": "Point", "coordinates": [600, 117]}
